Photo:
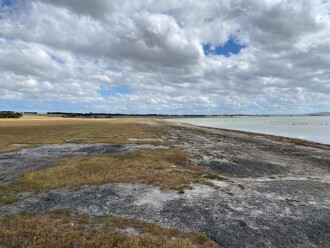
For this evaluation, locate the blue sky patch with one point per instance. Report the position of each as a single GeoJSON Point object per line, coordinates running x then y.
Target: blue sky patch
{"type": "Point", "coordinates": [14, 105]}
{"type": "Point", "coordinates": [5, 37]}
{"type": "Point", "coordinates": [6, 3]}
{"type": "Point", "coordinates": [56, 58]}
{"type": "Point", "coordinates": [115, 90]}
{"type": "Point", "coordinates": [229, 48]}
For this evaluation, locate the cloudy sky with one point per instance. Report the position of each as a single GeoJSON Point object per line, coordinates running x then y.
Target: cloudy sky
{"type": "Point", "coordinates": [173, 56]}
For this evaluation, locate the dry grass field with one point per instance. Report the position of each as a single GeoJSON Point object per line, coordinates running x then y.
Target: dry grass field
{"type": "Point", "coordinates": [32, 131]}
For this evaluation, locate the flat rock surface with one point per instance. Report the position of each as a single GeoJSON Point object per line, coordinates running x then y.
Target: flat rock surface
{"type": "Point", "coordinates": [277, 193]}
{"type": "Point", "coordinates": [274, 217]}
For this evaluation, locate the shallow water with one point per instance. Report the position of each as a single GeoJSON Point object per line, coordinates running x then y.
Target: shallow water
{"type": "Point", "coordinates": [312, 128]}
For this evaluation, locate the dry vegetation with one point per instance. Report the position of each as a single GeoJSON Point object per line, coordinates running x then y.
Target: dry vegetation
{"type": "Point", "coordinates": [45, 130]}
{"type": "Point", "coordinates": [7, 195]}
{"type": "Point", "coordinates": [168, 168]}
{"type": "Point", "coordinates": [64, 229]}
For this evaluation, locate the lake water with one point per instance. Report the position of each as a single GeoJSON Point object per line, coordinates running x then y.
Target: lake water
{"type": "Point", "coordinates": [312, 128]}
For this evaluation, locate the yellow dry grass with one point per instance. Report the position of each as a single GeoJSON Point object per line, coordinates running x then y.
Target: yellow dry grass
{"type": "Point", "coordinates": [167, 168]}
{"type": "Point", "coordinates": [34, 131]}
{"type": "Point", "coordinates": [64, 229]}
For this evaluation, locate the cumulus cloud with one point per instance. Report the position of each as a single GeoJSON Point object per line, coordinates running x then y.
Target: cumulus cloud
{"type": "Point", "coordinates": [63, 53]}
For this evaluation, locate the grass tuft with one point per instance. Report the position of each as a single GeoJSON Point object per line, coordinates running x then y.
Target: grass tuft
{"type": "Point", "coordinates": [241, 186]}
{"type": "Point", "coordinates": [7, 196]}
{"type": "Point", "coordinates": [213, 176]}
{"type": "Point", "coordinates": [242, 223]}
{"type": "Point", "coordinates": [181, 191]}
{"type": "Point", "coordinates": [208, 183]}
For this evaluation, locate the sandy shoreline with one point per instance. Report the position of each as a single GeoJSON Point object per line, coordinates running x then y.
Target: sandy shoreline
{"type": "Point", "coordinates": [294, 141]}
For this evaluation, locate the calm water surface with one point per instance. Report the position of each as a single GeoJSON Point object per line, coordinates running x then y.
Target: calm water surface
{"type": "Point", "coordinates": [312, 128]}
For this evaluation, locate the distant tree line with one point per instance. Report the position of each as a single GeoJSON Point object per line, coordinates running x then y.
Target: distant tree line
{"type": "Point", "coordinates": [163, 115]}
{"type": "Point", "coordinates": [106, 115]}
{"type": "Point", "coordinates": [30, 113]}
{"type": "Point", "coordinates": [77, 115]}
{"type": "Point", "coordinates": [10, 114]}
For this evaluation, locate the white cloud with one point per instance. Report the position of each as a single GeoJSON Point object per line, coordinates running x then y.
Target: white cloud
{"type": "Point", "coordinates": [66, 51]}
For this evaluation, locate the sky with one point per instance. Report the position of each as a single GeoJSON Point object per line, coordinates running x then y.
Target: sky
{"type": "Point", "coordinates": [166, 57]}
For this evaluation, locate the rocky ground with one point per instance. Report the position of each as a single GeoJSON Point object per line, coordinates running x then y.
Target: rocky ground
{"type": "Point", "coordinates": [274, 194]}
